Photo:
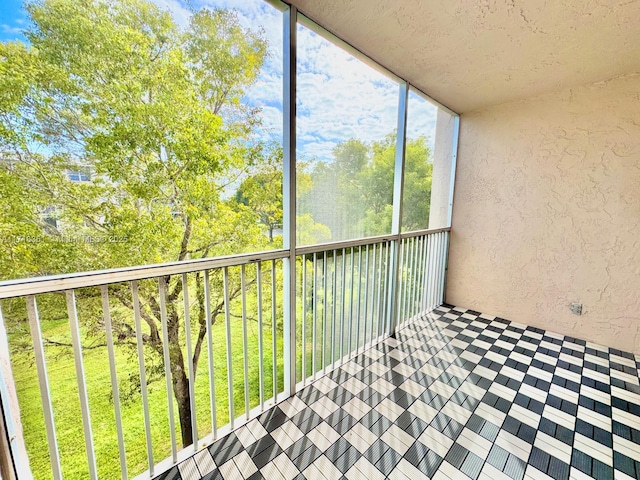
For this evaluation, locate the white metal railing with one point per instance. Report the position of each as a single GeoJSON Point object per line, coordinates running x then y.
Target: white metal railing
{"type": "Point", "coordinates": [348, 295]}
{"type": "Point", "coordinates": [343, 303]}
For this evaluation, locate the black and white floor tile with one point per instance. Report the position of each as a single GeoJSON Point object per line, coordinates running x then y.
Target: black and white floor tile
{"type": "Point", "coordinates": [456, 395]}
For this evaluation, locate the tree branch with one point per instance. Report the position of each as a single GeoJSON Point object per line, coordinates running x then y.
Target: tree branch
{"type": "Point", "coordinates": [154, 338]}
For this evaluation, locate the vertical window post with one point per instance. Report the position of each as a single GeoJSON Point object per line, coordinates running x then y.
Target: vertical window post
{"type": "Point", "coordinates": [398, 188]}
{"type": "Point", "coordinates": [454, 159]}
{"type": "Point", "coordinates": [289, 199]}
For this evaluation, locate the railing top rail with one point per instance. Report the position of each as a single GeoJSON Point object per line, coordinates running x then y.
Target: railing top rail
{"type": "Point", "coordinates": [321, 247]}
{"type": "Point", "coordinates": [55, 283]}
{"type": "Point", "coordinates": [69, 281]}
{"type": "Point", "coordinates": [418, 233]}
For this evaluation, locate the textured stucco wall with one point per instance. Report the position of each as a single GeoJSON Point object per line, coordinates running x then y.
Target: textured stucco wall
{"type": "Point", "coordinates": [547, 212]}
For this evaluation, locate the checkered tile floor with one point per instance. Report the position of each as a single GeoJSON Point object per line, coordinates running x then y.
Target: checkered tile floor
{"type": "Point", "coordinates": [455, 395]}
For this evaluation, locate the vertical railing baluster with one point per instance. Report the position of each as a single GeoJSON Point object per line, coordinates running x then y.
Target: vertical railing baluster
{"type": "Point", "coordinates": [445, 260]}
{"type": "Point", "coordinates": [383, 293]}
{"type": "Point", "coordinates": [304, 319]}
{"type": "Point", "coordinates": [192, 376]}
{"type": "Point", "coordinates": [245, 342]}
{"type": "Point", "coordinates": [342, 302]}
{"type": "Point", "coordinates": [82, 384]}
{"type": "Point", "coordinates": [375, 285]}
{"type": "Point", "coordinates": [402, 289]}
{"type": "Point", "coordinates": [395, 287]}
{"type": "Point", "coordinates": [324, 311]}
{"type": "Point", "coordinates": [447, 240]}
{"type": "Point", "coordinates": [438, 263]}
{"type": "Point", "coordinates": [357, 346]}
{"type": "Point", "coordinates": [399, 268]}
{"type": "Point", "coordinates": [366, 296]}
{"type": "Point", "coordinates": [209, 333]}
{"type": "Point", "coordinates": [372, 286]}
{"type": "Point", "coordinates": [381, 290]}
{"type": "Point", "coordinates": [115, 392]}
{"type": "Point", "coordinates": [423, 259]}
{"type": "Point", "coordinates": [416, 292]}
{"type": "Point", "coordinates": [374, 291]}
{"type": "Point", "coordinates": [351, 289]}
{"type": "Point", "coordinates": [407, 280]}
{"type": "Point", "coordinates": [427, 276]}
{"type": "Point", "coordinates": [386, 306]}
{"type": "Point", "coordinates": [436, 268]}
{"type": "Point", "coordinates": [419, 275]}
{"type": "Point", "coordinates": [260, 334]}
{"type": "Point", "coordinates": [432, 270]}
{"type": "Point", "coordinates": [227, 322]}
{"type": "Point", "coordinates": [410, 258]}
{"type": "Point", "coordinates": [43, 382]}
{"type": "Point", "coordinates": [414, 266]}
{"type": "Point", "coordinates": [440, 266]}
{"type": "Point", "coordinates": [425, 281]}
{"type": "Point", "coordinates": [423, 271]}
{"type": "Point", "coordinates": [274, 338]}
{"type": "Point", "coordinates": [433, 276]}
{"type": "Point", "coordinates": [162, 294]}
{"type": "Point", "coordinates": [334, 306]}
{"type": "Point", "coordinates": [443, 256]}
{"type": "Point", "coordinates": [143, 373]}
{"type": "Point", "coordinates": [379, 294]}
{"type": "Point", "coordinates": [314, 340]}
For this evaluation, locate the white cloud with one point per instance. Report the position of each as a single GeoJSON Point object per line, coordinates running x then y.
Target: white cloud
{"type": "Point", "coordinates": [421, 118]}
{"type": "Point", "coordinates": [9, 30]}
{"type": "Point", "coordinates": [339, 96]}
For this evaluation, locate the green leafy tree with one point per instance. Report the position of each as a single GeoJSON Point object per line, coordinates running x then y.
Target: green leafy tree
{"type": "Point", "coordinates": [417, 180]}
{"type": "Point", "coordinates": [377, 180]}
{"type": "Point", "coordinates": [262, 192]}
{"type": "Point", "coordinates": [153, 113]}
{"type": "Point", "coordinates": [353, 194]}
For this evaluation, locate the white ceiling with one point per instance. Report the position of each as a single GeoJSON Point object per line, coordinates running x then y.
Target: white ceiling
{"type": "Point", "coordinates": [470, 54]}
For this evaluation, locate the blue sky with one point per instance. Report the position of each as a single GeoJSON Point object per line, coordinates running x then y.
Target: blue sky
{"type": "Point", "coordinates": [339, 97]}
{"type": "Point", "coordinates": [12, 20]}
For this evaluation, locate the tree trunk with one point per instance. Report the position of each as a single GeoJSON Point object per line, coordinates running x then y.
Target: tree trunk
{"type": "Point", "coordinates": [183, 398]}
{"type": "Point", "coordinates": [179, 376]}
